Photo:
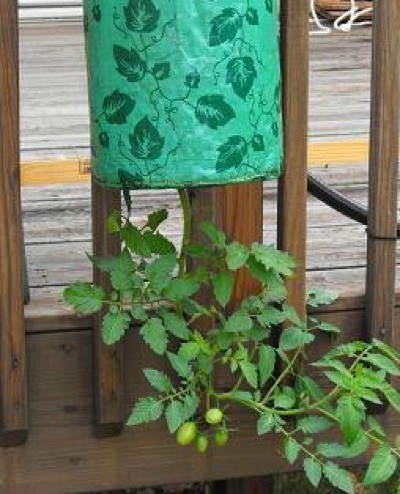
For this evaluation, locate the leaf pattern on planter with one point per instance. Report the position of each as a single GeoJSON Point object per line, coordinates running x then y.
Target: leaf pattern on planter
{"type": "Point", "coordinates": [241, 73]}
{"type": "Point", "coordinates": [129, 63]}
{"type": "Point", "coordinates": [146, 142]}
{"type": "Point", "coordinates": [214, 111]}
{"type": "Point", "coordinates": [141, 15]}
{"type": "Point", "coordinates": [117, 107]}
{"type": "Point", "coordinates": [183, 93]}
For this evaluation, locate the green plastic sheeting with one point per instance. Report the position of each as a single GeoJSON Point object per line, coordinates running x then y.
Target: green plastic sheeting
{"type": "Point", "coordinates": [183, 92]}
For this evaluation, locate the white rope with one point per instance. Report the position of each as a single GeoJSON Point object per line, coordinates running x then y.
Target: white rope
{"type": "Point", "coordinates": [314, 18]}
{"type": "Point", "coordinates": [353, 14]}
{"type": "Point", "coordinates": [343, 23]}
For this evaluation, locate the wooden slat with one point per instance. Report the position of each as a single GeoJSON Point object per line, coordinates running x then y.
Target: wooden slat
{"type": "Point", "coordinates": [108, 380]}
{"type": "Point", "coordinates": [62, 456]}
{"type": "Point", "coordinates": [292, 197]}
{"type": "Point", "coordinates": [382, 223]}
{"type": "Point", "coordinates": [13, 414]}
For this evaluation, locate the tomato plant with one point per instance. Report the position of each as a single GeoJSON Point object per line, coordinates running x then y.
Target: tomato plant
{"type": "Point", "coordinates": [153, 289]}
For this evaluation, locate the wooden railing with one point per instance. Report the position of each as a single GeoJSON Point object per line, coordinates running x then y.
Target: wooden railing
{"type": "Point", "coordinates": [236, 209]}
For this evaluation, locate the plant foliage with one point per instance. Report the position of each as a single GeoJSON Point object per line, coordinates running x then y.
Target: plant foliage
{"type": "Point", "coordinates": [152, 289]}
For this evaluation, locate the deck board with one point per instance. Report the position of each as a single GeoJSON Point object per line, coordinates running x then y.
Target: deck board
{"type": "Point", "coordinates": [55, 125]}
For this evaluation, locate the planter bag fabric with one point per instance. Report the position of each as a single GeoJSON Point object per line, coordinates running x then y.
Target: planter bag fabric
{"type": "Point", "coordinates": [183, 92]}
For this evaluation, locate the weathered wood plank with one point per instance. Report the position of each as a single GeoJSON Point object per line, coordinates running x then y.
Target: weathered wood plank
{"type": "Point", "coordinates": [108, 376]}
{"type": "Point", "coordinates": [383, 174]}
{"type": "Point", "coordinates": [63, 456]}
{"type": "Point", "coordinates": [292, 191]}
{"type": "Point", "coordinates": [55, 119]}
{"type": "Point", "coordinates": [13, 414]}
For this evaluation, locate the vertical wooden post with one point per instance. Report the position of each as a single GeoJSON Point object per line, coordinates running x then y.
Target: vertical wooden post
{"type": "Point", "coordinates": [384, 147]}
{"type": "Point", "coordinates": [292, 190]}
{"type": "Point", "coordinates": [108, 381]}
{"type": "Point", "coordinates": [13, 412]}
{"type": "Point", "coordinates": [238, 211]}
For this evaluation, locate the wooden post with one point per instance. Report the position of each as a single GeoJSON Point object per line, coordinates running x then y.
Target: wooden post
{"type": "Point", "coordinates": [384, 147]}
{"type": "Point", "coordinates": [108, 380]}
{"type": "Point", "coordinates": [13, 411]}
{"type": "Point", "coordinates": [292, 190]}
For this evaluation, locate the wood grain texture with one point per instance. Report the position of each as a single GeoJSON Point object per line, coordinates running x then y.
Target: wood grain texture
{"type": "Point", "coordinates": [108, 367]}
{"type": "Point", "coordinates": [383, 172]}
{"type": "Point", "coordinates": [63, 456]}
{"type": "Point", "coordinates": [13, 414]}
{"type": "Point", "coordinates": [292, 192]}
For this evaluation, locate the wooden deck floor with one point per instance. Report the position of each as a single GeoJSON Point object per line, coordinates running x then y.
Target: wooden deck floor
{"type": "Point", "coordinates": [54, 121]}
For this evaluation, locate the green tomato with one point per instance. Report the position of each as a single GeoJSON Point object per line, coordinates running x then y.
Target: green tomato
{"type": "Point", "coordinates": [214, 416]}
{"type": "Point", "coordinates": [221, 437]}
{"type": "Point", "coordinates": [186, 433]}
{"type": "Point", "coordinates": [201, 443]}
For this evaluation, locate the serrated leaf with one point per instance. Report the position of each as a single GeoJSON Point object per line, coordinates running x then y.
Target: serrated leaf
{"type": "Point", "coordinates": [381, 467]}
{"type": "Point", "coordinates": [350, 416]}
{"type": "Point", "coordinates": [241, 73]}
{"type": "Point", "coordinates": [392, 395]}
{"type": "Point", "coordinates": [313, 471]}
{"type": "Point", "coordinates": [236, 256]}
{"type": "Point", "coordinates": [129, 63]}
{"type": "Point", "coordinates": [116, 108]}
{"type": "Point", "coordinates": [314, 424]}
{"type": "Point", "coordinates": [250, 373]}
{"type": "Point", "coordinates": [189, 350]}
{"type": "Point", "coordinates": [266, 363]}
{"type": "Point", "coordinates": [274, 259]}
{"type": "Point", "coordinates": [239, 322]}
{"type": "Point", "coordinates": [179, 364]}
{"type": "Point", "coordinates": [232, 153]}
{"type": "Point", "coordinates": [181, 288]}
{"type": "Point", "coordinates": [155, 335]}
{"type": "Point", "coordinates": [176, 325]}
{"type": "Point", "coordinates": [114, 326]}
{"type": "Point", "coordinates": [223, 287]}
{"type": "Point", "coordinates": [225, 26]}
{"type": "Point", "coordinates": [158, 244]}
{"type": "Point", "coordinates": [159, 272]}
{"type": "Point", "coordinates": [293, 338]}
{"type": "Point", "coordinates": [84, 297]}
{"type": "Point", "coordinates": [216, 236]}
{"type": "Point", "coordinates": [155, 219]}
{"type": "Point", "coordinates": [214, 111]}
{"type": "Point", "coordinates": [139, 313]}
{"type": "Point", "coordinates": [329, 328]}
{"type": "Point", "coordinates": [338, 477]}
{"type": "Point", "coordinates": [384, 363]}
{"type": "Point", "coordinates": [376, 427]}
{"type": "Point", "coordinates": [135, 241]}
{"type": "Point", "coordinates": [160, 381]}
{"type": "Point", "coordinates": [284, 398]}
{"type": "Point", "coordinates": [270, 316]}
{"type": "Point", "coordinates": [174, 416]}
{"type": "Point", "coordinates": [146, 142]}
{"type": "Point", "coordinates": [141, 15]}
{"type": "Point", "coordinates": [265, 423]}
{"type": "Point", "coordinates": [320, 296]}
{"type": "Point", "coordinates": [291, 450]}
{"type": "Point", "coordinates": [190, 404]}
{"type": "Point", "coordinates": [121, 273]}
{"type": "Point", "coordinates": [145, 410]}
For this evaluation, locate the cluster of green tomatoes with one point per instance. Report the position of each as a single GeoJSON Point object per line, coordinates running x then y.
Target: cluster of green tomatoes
{"type": "Point", "coordinates": [189, 431]}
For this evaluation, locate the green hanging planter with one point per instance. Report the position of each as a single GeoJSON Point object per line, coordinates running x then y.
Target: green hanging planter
{"type": "Point", "coordinates": [183, 92]}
